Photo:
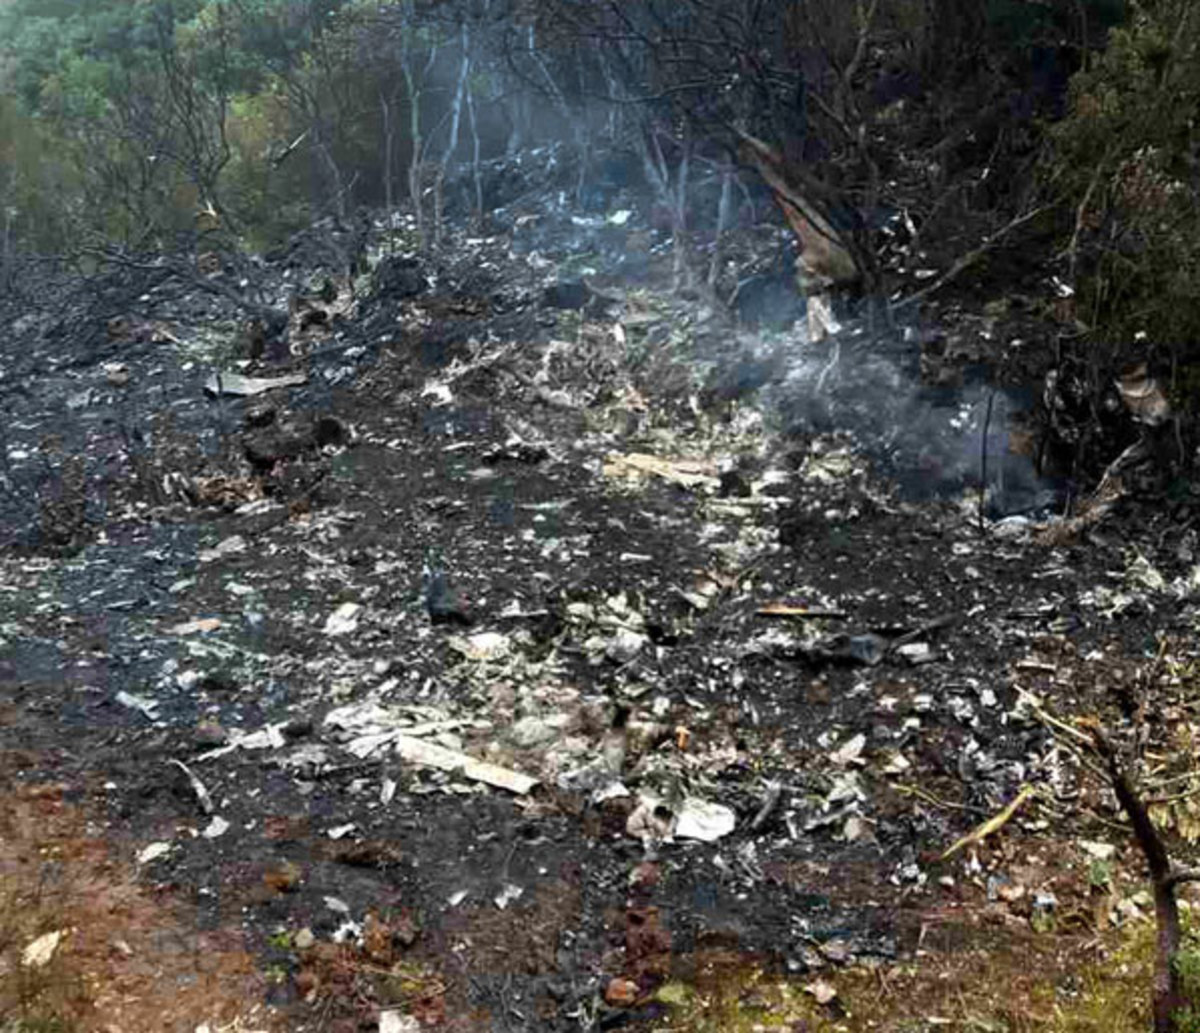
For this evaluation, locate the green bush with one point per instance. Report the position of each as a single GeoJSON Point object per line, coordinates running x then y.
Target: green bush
{"type": "Point", "coordinates": [1125, 163]}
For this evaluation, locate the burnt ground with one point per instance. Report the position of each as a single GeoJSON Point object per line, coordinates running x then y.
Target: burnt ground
{"type": "Point", "coordinates": [680, 593]}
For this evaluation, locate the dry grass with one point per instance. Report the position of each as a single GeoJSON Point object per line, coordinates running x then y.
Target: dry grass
{"type": "Point", "coordinates": [1012, 981]}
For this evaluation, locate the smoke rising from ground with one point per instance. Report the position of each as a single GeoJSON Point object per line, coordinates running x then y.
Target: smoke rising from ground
{"type": "Point", "coordinates": [930, 439]}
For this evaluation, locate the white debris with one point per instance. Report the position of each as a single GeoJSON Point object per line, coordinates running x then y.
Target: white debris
{"type": "Point", "coordinates": [487, 645]}
{"type": "Point", "coordinates": [824, 992]}
{"type": "Point", "coordinates": [223, 383]}
{"type": "Point", "coordinates": [850, 752]}
{"type": "Point", "coordinates": [153, 852]}
{"type": "Point", "coordinates": [38, 953]}
{"type": "Point", "coordinates": [507, 895]}
{"type": "Point", "coordinates": [625, 645]}
{"type": "Point", "coordinates": [417, 751]}
{"type": "Point", "coordinates": [1098, 851]}
{"type": "Point", "coordinates": [218, 826]}
{"type": "Point", "coordinates": [398, 1022]}
{"type": "Point", "coordinates": [145, 705]}
{"type": "Point", "coordinates": [917, 653]}
{"type": "Point", "coordinates": [343, 620]}
{"type": "Point", "coordinates": [707, 822]}
{"type": "Point", "coordinates": [227, 547]}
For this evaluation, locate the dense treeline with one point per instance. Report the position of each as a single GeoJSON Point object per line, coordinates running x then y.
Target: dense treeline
{"type": "Point", "coordinates": [122, 119]}
{"type": "Point", "coordinates": [1065, 129]}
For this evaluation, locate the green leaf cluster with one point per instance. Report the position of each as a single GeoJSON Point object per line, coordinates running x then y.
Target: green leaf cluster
{"type": "Point", "coordinates": [1126, 162]}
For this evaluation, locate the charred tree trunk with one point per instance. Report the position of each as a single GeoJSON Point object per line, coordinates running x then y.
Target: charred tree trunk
{"type": "Point", "coordinates": [1169, 998]}
{"type": "Point", "coordinates": [826, 260]}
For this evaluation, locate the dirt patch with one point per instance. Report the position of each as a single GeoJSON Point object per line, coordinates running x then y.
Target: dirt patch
{"type": "Point", "coordinates": [127, 954]}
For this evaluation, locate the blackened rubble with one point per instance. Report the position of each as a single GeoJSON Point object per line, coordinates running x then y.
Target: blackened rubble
{"type": "Point", "coordinates": [748, 682]}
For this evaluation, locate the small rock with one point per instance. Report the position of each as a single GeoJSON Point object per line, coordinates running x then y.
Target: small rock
{"type": "Point", "coordinates": [298, 728]}
{"type": "Point", "coordinates": [1009, 892]}
{"type": "Point", "coordinates": [304, 939]}
{"type": "Point", "coordinates": [856, 829]}
{"type": "Point", "coordinates": [836, 951]}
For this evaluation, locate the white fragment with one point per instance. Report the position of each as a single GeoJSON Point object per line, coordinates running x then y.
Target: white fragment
{"type": "Point", "coordinates": [230, 546]}
{"type": "Point", "coordinates": [343, 620]}
{"type": "Point", "coordinates": [153, 852]}
{"type": "Point", "coordinates": [398, 1022]}
{"type": "Point", "coordinates": [487, 645]}
{"type": "Point", "coordinates": [217, 827]}
{"type": "Point", "coordinates": [416, 751]}
{"type": "Point", "coordinates": [821, 990]}
{"type": "Point", "coordinates": [507, 895]}
{"type": "Point", "coordinates": [850, 752]}
{"type": "Point", "coordinates": [387, 791]}
{"type": "Point", "coordinates": [1099, 851]}
{"type": "Point", "coordinates": [142, 703]}
{"type": "Point", "coordinates": [39, 952]}
{"type": "Point", "coordinates": [707, 822]}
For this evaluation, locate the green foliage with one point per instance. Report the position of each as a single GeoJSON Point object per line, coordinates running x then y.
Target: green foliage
{"type": "Point", "coordinates": [122, 119]}
{"type": "Point", "coordinates": [1124, 162]}
{"type": "Point", "coordinates": [1100, 874]}
{"type": "Point", "coordinates": [38, 181]}
{"type": "Point", "coordinates": [1186, 963]}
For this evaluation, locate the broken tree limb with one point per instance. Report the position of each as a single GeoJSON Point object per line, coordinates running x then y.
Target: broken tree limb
{"type": "Point", "coordinates": [274, 321]}
{"type": "Point", "coordinates": [993, 824]}
{"type": "Point", "coordinates": [969, 259]}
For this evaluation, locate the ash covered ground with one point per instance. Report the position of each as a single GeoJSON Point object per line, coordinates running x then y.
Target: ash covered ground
{"type": "Point", "coordinates": [546, 633]}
